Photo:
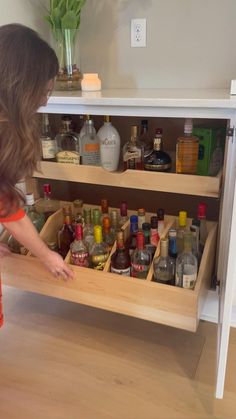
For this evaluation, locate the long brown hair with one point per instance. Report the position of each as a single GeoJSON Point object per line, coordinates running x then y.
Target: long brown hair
{"type": "Point", "coordinates": [27, 64]}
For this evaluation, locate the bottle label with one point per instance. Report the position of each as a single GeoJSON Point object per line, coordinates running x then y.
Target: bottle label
{"type": "Point", "coordinates": [157, 167]}
{"type": "Point", "coordinates": [154, 237]}
{"type": "Point", "coordinates": [189, 281]}
{"type": "Point", "coordinates": [131, 155]}
{"type": "Point", "coordinates": [123, 272]}
{"type": "Point", "coordinates": [139, 271]}
{"type": "Point", "coordinates": [80, 259]}
{"type": "Point", "coordinates": [72, 157]}
{"type": "Point", "coordinates": [99, 261]}
{"type": "Point", "coordinates": [49, 149]}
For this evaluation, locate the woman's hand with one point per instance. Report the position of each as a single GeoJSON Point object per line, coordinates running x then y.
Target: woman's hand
{"type": "Point", "coordinates": [4, 250]}
{"type": "Point", "coordinates": [56, 265]}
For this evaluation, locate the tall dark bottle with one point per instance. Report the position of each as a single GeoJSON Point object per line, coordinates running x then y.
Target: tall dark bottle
{"type": "Point", "coordinates": [158, 160]}
{"type": "Point", "coordinates": [120, 260]}
{"type": "Point", "coordinates": [66, 233]}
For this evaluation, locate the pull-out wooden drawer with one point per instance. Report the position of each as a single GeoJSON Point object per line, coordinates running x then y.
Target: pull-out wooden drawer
{"type": "Point", "coordinates": [143, 299]}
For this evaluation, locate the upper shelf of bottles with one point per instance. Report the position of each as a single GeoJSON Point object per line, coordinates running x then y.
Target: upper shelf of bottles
{"type": "Point", "coordinates": [195, 103]}
{"type": "Point", "coordinates": [135, 179]}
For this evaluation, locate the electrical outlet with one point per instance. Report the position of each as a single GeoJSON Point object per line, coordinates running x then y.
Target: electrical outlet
{"type": "Point", "coordinates": [138, 32]}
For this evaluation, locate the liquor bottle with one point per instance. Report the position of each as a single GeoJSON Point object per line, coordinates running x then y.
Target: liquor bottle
{"type": "Point", "coordinates": [195, 242]}
{"type": "Point", "coordinates": [79, 250]}
{"type": "Point", "coordinates": [158, 160]}
{"type": "Point", "coordinates": [100, 250]}
{"type": "Point", "coordinates": [120, 260]}
{"type": "Point", "coordinates": [78, 216]}
{"type": "Point", "coordinates": [140, 259]}
{"type": "Point", "coordinates": [83, 129]}
{"type": "Point", "coordinates": [164, 266]}
{"type": "Point", "coordinates": [90, 145]}
{"type": "Point", "coordinates": [144, 138]}
{"type": "Point", "coordinates": [131, 241]}
{"type": "Point", "coordinates": [187, 150]}
{"type": "Point", "coordinates": [108, 236]}
{"type": "Point", "coordinates": [123, 213]}
{"type": "Point", "coordinates": [37, 219]}
{"type": "Point", "coordinates": [104, 209]}
{"type": "Point", "coordinates": [88, 229]}
{"type": "Point", "coordinates": [15, 246]}
{"type": "Point", "coordinates": [172, 243]}
{"type": "Point", "coordinates": [49, 145]}
{"type": "Point", "coordinates": [154, 236]}
{"type": "Point", "coordinates": [96, 216]}
{"type": "Point", "coordinates": [201, 215]}
{"type": "Point", "coordinates": [109, 145]}
{"type": "Point", "coordinates": [141, 217]}
{"type": "Point", "coordinates": [186, 265]}
{"type": "Point", "coordinates": [114, 221]}
{"type": "Point", "coordinates": [161, 222]}
{"type": "Point", "coordinates": [133, 153]}
{"type": "Point", "coordinates": [147, 244]}
{"type": "Point", "coordinates": [68, 147]}
{"type": "Point", "coordinates": [181, 231]}
{"type": "Point", "coordinates": [65, 235]}
{"type": "Point", "coordinates": [47, 205]}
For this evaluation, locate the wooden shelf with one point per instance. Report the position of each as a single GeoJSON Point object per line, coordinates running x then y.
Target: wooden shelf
{"type": "Point", "coordinates": [136, 179]}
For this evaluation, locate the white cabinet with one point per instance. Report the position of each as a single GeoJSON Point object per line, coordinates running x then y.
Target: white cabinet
{"type": "Point", "coordinates": [150, 103]}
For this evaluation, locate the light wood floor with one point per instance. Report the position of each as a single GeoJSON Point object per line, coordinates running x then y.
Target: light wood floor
{"type": "Point", "coordinates": [59, 360]}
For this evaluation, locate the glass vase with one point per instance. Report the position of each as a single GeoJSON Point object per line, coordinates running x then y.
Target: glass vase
{"type": "Point", "coordinates": [67, 49]}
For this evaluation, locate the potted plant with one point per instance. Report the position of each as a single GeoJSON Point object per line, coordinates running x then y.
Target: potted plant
{"type": "Point", "coordinates": [64, 19]}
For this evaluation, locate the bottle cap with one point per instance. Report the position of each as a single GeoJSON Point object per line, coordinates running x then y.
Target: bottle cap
{"type": "Point", "coordinates": [123, 209]}
{"type": "Point", "coordinates": [29, 199]}
{"type": "Point", "coordinates": [159, 131]}
{"type": "Point", "coordinates": [160, 214]}
{"type": "Point", "coordinates": [47, 188]}
{"type": "Point", "coordinates": [182, 218]}
{"type": "Point", "coordinates": [201, 211]}
{"type": "Point", "coordinates": [106, 118]}
{"type": "Point", "coordinates": [78, 203]}
{"type": "Point", "coordinates": [146, 226]}
{"type": "Point", "coordinates": [141, 212]}
{"type": "Point", "coordinates": [154, 221]}
{"type": "Point", "coordinates": [106, 223]}
{"type": "Point", "coordinates": [134, 131]}
{"type": "Point", "coordinates": [144, 123]}
{"type": "Point", "coordinates": [188, 126]}
{"type": "Point", "coordinates": [78, 231]}
{"type": "Point", "coordinates": [172, 232]}
{"type": "Point", "coordinates": [133, 219]}
{"type": "Point", "coordinates": [104, 206]}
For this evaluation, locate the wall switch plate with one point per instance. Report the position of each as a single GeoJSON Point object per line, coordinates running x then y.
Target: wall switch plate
{"type": "Point", "coordinates": [138, 33]}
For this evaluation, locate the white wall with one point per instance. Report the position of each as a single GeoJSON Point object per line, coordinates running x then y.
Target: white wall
{"type": "Point", "coordinates": [190, 43]}
{"type": "Point", "coordinates": [27, 12]}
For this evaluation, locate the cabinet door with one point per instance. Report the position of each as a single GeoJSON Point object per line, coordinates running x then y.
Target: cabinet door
{"type": "Point", "coordinates": [227, 262]}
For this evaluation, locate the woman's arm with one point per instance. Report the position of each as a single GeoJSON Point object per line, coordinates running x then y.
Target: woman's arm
{"type": "Point", "coordinates": [24, 232]}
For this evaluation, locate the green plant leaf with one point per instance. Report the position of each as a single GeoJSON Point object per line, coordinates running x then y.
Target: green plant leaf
{"type": "Point", "coordinates": [49, 20]}
{"type": "Point", "coordinates": [56, 17]}
{"type": "Point", "coordinates": [69, 21]}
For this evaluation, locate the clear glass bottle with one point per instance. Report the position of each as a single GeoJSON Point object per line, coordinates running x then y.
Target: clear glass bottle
{"type": "Point", "coordinates": [88, 229]}
{"type": "Point", "coordinates": [49, 145]}
{"type": "Point", "coordinates": [78, 212]}
{"type": "Point", "coordinates": [123, 213]}
{"type": "Point", "coordinates": [47, 205]}
{"type": "Point", "coordinates": [109, 145]}
{"type": "Point", "coordinates": [78, 248]}
{"type": "Point", "coordinates": [68, 146]}
{"type": "Point", "coordinates": [84, 127]}
{"type": "Point", "coordinates": [187, 150]}
{"type": "Point", "coordinates": [140, 259]}
{"type": "Point", "coordinates": [120, 260]}
{"type": "Point", "coordinates": [164, 266]}
{"type": "Point", "coordinates": [182, 227]}
{"type": "Point", "coordinates": [186, 265]}
{"type": "Point", "coordinates": [146, 227]}
{"type": "Point", "coordinates": [90, 145]}
{"type": "Point", "coordinates": [108, 236]}
{"type": "Point", "coordinates": [201, 215]}
{"type": "Point", "coordinates": [114, 221]}
{"type": "Point", "coordinates": [65, 235]}
{"type": "Point", "coordinates": [158, 160]}
{"type": "Point", "coordinates": [100, 250]}
{"type": "Point", "coordinates": [133, 152]}
{"type": "Point", "coordinates": [145, 139]}
{"type": "Point", "coordinates": [37, 219]}
{"type": "Point", "coordinates": [141, 217]}
{"type": "Point", "coordinates": [172, 243]}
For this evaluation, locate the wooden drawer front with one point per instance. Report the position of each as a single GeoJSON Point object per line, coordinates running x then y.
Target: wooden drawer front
{"type": "Point", "coordinates": [143, 299]}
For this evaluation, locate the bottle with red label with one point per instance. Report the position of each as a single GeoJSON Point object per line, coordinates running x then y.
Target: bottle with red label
{"type": "Point", "coordinates": [154, 235]}
{"type": "Point", "coordinates": [65, 234]}
{"type": "Point", "coordinates": [140, 259]}
{"type": "Point", "coordinates": [79, 250]}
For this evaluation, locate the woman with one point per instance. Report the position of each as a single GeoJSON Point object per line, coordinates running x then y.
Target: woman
{"type": "Point", "coordinates": [28, 67]}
